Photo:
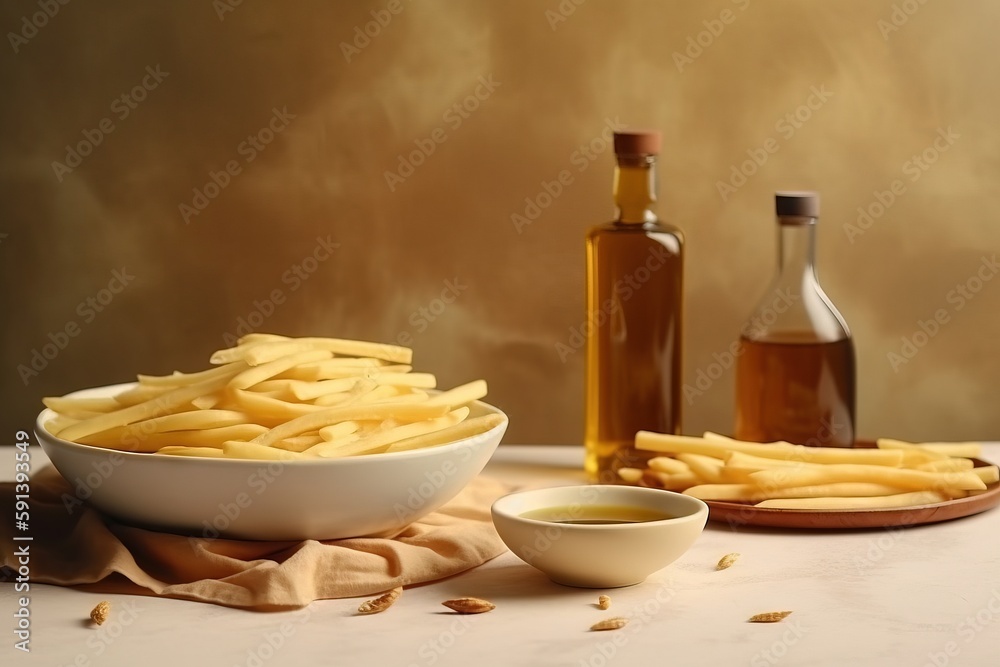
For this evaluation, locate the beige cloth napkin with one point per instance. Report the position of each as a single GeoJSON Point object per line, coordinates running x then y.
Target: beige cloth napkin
{"type": "Point", "coordinates": [85, 547]}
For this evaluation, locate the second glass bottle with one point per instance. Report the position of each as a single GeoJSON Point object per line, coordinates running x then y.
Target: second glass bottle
{"type": "Point", "coordinates": [795, 375]}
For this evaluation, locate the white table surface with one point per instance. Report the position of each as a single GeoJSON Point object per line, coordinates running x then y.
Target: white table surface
{"type": "Point", "coordinates": [921, 596]}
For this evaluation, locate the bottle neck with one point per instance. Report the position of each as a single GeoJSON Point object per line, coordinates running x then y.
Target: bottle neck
{"type": "Point", "coordinates": [797, 248]}
{"type": "Point", "coordinates": [635, 188]}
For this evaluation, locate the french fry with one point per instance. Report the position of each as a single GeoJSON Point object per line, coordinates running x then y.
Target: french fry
{"type": "Point", "coordinates": [249, 450]}
{"type": "Point", "coordinates": [299, 443]}
{"type": "Point", "coordinates": [947, 465]}
{"type": "Point", "coordinates": [989, 474]}
{"type": "Point", "coordinates": [630, 475]}
{"type": "Point", "coordinates": [339, 430]}
{"type": "Point", "coordinates": [360, 389]}
{"type": "Point", "coordinates": [674, 482]}
{"type": "Point", "coordinates": [754, 462]}
{"type": "Point", "coordinates": [668, 465]}
{"type": "Point", "coordinates": [467, 429]}
{"type": "Point", "coordinates": [74, 406]}
{"type": "Point", "coordinates": [256, 374]}
{"type": "Point", "coordinates": [140, 394]}
{"type": "Point", "coordinates": [60, 422]}
{"type": "Point", "coordinates": [307, 391]}
{"type": "Point", "coordinates": [903, 478]}
{"type": "Point", "coordinates": [805, 454]}
{"type": "Point", "coordinates": [231, 354]}
{"type": "Point", "coordinates": [273, 408]}
{"type": "Point", "coordinates": [184, 379]}
{"type": "Point", "coordinates": [963, 449]}
{"type": "Point", "coordinates": [913, 453]}
{"type": "Point", "coordinates": [909, 499]}
{"type": "Point", "coordinates": [960, 449]}
{"type": "Point", "coordinates": [706, 468]}
{"type": "Point", "coordinates": [460, 395]}
{"type": "Point", "coordinates": [191, 420]}
{"type": "Point", "coordinates": [753, 493]}
{"type": "Point", "coordinates": [353, 348]}
{"type": "Point", "coordinates": [419, 380]}
{"type": "Point", "coordinates": [719, 447]}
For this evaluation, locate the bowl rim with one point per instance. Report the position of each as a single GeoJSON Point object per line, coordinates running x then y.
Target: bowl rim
{"type": "Point", "coordinates": [700, 508]}
{"type": "Point", "coordinates": [46, 414]}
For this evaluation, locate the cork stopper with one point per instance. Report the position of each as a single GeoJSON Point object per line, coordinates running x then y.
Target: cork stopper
{"type": "Point", "coordinates": [638, 142]}
{"type": "Point", "coordinates": [803, 204]}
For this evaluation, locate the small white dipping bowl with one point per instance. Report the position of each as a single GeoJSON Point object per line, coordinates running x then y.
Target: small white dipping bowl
{"type": "Point", "coordinates": [599, 555]}
{"type": "Point", "coordinates": [320, 499]}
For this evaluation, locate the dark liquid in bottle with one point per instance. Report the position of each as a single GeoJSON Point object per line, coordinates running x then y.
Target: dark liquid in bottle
{"type": "Point", "coordinates": [796, 389]}
{"type": "Point", "coordinates": [634, 351]}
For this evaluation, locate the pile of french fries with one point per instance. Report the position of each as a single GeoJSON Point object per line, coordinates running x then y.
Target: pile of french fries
{"type": "Point", "coordinates": [279, 398]}
{"type": "Point", "coordinates": [786, 476]}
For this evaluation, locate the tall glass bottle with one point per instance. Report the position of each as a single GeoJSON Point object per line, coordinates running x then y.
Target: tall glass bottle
{"type": "Point", "coordinates": [634, 299]}
{"type": "Point", "coordinates": [795, 375]}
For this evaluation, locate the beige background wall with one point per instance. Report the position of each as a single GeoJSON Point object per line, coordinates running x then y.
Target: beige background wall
{"type": "Point", "coordinates": [445, 233]}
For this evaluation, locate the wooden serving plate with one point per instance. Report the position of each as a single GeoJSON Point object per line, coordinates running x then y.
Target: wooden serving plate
{"type": "Point", "coordinates": [744, 514]}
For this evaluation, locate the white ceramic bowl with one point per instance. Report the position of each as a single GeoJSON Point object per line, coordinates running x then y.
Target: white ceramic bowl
{"type": "Point", "coordinates": [269, 500]}
{"type": "Point", "coordinates": [605, 555]}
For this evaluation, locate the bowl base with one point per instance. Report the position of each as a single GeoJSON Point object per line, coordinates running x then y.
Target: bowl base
{"type": "Point", "coordinates": [578, 583]}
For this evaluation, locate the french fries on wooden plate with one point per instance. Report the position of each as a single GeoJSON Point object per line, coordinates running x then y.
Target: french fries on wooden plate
{"type": "Point", "coordinates": [786, 476]}
{"type": "Point", "coordinates": [278, 398]}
